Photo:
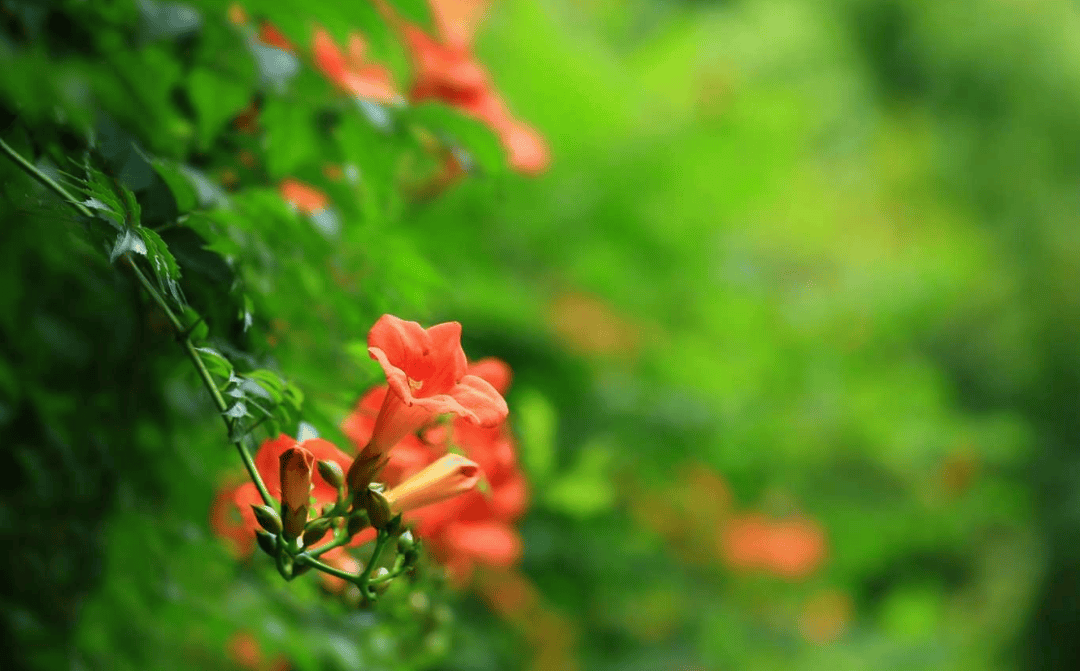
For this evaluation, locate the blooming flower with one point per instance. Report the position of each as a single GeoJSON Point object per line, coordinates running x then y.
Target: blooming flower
{"type": "Point", "coordinates": [472, 528]}
{"type": "Point", "coordinates": [426, 373]}
{"type": "Point", "coordinates": [353, 73]}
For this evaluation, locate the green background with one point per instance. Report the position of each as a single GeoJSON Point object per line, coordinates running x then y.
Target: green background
{"type": "Point", "coordinates": [827, 251]}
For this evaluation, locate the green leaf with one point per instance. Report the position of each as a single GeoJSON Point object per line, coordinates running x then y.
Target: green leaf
{"type": "Point", "coordinates": [181, 187]}
{"type": "Point", "coordinates": [586, 490]}
{"type": "Point", "coordinates": [479, 145]}
{"type": "Point", "coordinates": [217, 99]}
{"type": "Point", "coordinates": [237, 410]}
{"type": "Point", "coordinates": [215, 362]}
{"type": "Point", "coordinates": [536, 422]}
{"type": "Point", "coordinates": [290, 135]}
{"type": "Point", "coordinates": [163, 263]}
{"type": "Point", "coordinates": [128, 241]}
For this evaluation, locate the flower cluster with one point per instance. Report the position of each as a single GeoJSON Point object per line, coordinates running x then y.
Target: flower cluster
{"type": "Point", "coordinates": [463, 531]}
{"type": "Point", "coordinates": [410, 435]}
{"type": "Point", "coordinates": [444, 69]}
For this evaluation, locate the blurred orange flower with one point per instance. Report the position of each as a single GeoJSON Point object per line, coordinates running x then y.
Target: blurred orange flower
{"type": "Point", "coordinates": [445, 69]}
{"type": "Point", "coordinates": [353, 73]}
{"type": "Point", "coordinates": [304, 197]}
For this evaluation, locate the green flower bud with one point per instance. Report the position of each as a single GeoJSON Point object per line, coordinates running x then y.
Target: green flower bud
{"type": "Point", "coordinates": [315, 531]}
{"type": "Point", "coordinates": [378, 508]}
{"type": "Point", "coordinates": [405, 542]}
{"type": "Point", "coordinates": [267, 518]}
{"type": "Point", "coordinates": [268, 542]}
{"type": "Point", "coordinates": [332, 473]}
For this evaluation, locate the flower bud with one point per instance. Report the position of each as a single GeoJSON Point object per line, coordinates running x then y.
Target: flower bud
{"type": "Point", "coordinates": [405, 542]}
{"type": "Point", "coordinates": [296, 467]}
{"type": "Point", "coordinates": [267, 518]}
{"type": "Point", "coordinates": [267, 542]}
{"type": "Point", "coordinates": [380, 572]}
{"type": "Point", "coordinates": [315, 531]}
{"type": "Point", "coordinates": [332, 473]}
{"type": "Point", "coordinates": [450, 476]}
{"type": "Point", "coordinates": [378, 508]}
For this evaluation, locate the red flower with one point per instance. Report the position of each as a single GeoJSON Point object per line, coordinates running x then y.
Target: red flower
{"type": "Point", "coordinates": [472, 528]}
{"type": "Point", "coordinates": [445, 69]}
{"type": "Point", "coordinates": [425, 370]}
{"type": "Point", "coordinates": [791, 548]}
{"type": "Point", "coordinates": [270, 35]}
{"type": "Point", "coordinates": [352, 73]}
{"type": "Point", "coordinates": [304, 197]}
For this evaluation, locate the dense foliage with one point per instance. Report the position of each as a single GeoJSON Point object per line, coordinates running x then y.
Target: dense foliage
{"type": "Point", "coordinates": [788, 290]}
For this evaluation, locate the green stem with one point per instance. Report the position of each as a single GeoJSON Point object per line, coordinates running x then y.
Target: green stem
{"type": "Point", "coordinates": [46, 181]}
{"type": "Point", "coordinates": [336, 543]}
{"type": "Point", "coordinates": [204, 373]}
{"type": "Point", "coordinates": [380, 543]}
{"type": "Point", "coordinates": [399, 568]}
{"type": "Point", "coordinates": [325, 568]}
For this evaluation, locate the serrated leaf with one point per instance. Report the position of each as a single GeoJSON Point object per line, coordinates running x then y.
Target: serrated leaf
{"type": "Point", "coordinates": [163, 263]}
{"type": "Point", "coordinates": [215, 362]}
{"type": "Point", "coordinates": [127, 241]}
{"type": "Point", "coordinates": [237, 411]}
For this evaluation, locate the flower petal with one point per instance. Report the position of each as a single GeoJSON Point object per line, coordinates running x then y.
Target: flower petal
{"type": "Point", "coordinates": [481, 401]}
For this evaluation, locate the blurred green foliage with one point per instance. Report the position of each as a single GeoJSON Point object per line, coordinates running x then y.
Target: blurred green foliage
{"type": "Point", "coordinates": [825, 251]}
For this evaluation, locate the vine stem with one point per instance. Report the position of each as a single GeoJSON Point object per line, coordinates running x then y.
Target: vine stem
{"type": "Point", "coordinates": [45, 180]}
{"type": "Point", "coordinates": [183, 334]}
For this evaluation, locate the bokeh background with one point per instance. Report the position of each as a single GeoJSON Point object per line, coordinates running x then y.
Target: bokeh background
{"type": "Point", "coordinates": [792, 312]}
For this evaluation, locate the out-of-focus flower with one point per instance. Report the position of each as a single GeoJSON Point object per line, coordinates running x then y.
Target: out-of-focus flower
{"type": "Point", "coordinates": [825, 616]}
{"type": "Point", "coordinates": [304, 197]}
{"type": "Point", "coordinates": [426, 373]}
{"type": "Point", "coordinates": [588, 325]}
{"type": "Point", "coordinates": [791, 548]}
{"type": "Point", "coordinates": [244, 650]}
{"type": "Point", "coordinates": [796, 547]}
{"type": "Point", "coordinates": [353, 73]}
{"type": "Point", "coordinates": [270, 35]}
{"type": "Point", "coordinates": [445, 69]}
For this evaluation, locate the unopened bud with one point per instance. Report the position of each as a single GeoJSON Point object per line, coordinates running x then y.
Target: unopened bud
{"type": "Point", "coordinates": [405, 542]}
{"type": "Point", "coordinates": [380, 572]}
{"type": "Point", "coordinates": [267, 542]}
{"type": "Point", "coordinates": [267, 518]}
{"type": "Point", "coordinates": [315, 531]}
{"type": "Point", "coordinates": [331, 473]}
{"type": "Point", "coordinates": [378, 509]}
{"type": "Point", "coordinates": [296, 464]}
